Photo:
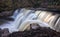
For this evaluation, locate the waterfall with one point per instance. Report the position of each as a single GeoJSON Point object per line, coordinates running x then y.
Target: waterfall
{"type": "Point", "coordinates": [15, 13]}
{"type": "Point", "coordinates": [10, 24]}
{"type": "Point", "coordinates": [32, 19]}
{"type": "Point", "coordinates": [21, 17]}
{"type": "Point", "coordinates": [26, 24]}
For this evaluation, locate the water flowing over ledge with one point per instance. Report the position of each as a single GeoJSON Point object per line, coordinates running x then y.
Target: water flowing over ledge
{"type": "Point", "coordinates": [23, 17]}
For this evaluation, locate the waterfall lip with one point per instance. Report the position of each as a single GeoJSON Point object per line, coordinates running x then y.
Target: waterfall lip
{"type": "Point", "coordinates": [16, 12]}
{"type": "Point", "coordinates": [28, 22]}
{"type": "Point", "coordinates": [19, 18]}
{"type": "Point", "coordinates": [25, 16]}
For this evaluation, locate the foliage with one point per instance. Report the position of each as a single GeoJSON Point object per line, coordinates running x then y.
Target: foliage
{"type": "Point", "coordinates": [13, 4]}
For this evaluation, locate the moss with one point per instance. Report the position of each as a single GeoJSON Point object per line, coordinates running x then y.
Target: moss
{"type": "Point", "coordinates": [14, 4]}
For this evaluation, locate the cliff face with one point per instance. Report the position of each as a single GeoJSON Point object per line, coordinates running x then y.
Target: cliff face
{"type": "Point", "coordinates": [7, 5]}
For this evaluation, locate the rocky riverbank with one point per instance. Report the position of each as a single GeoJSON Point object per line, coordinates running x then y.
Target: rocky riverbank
{"type": "Point", "coordinates": [39, 32]}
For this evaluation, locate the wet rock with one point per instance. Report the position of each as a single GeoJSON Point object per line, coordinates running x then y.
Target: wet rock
{"type": "Point", "coordinates": [39, 32]}
{"type": "Point", "coordinates": [6, 14]}
{"type": "Point", "coordinates": [4, 32]}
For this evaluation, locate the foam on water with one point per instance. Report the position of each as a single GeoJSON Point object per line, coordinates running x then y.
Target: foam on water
{"type": "Point", "coordinates": [20, 18]}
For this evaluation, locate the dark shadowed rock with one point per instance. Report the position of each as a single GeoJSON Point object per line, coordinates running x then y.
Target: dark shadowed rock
{"type": "Point", "coordinates": [39, 32]}
{"type": "Point", "coordinates": [6, 13]}
{"type": "Point", "coordinates": [4, 32]}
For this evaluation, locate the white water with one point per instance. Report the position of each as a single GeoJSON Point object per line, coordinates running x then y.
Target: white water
{"type": "Point", "coordinates": [21, 18]}
{"type": "Point", "coordinates": [10, 24]}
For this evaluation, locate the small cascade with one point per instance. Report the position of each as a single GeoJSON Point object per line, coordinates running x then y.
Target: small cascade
{"type": "Point", "coordinates": [22, 16]}
{"type": "Point", "coordinates": [32, 18]}
{"type": "Point", "coordinates": [10, 24]}
{"type": "Point", "coordinates": [16, 12]}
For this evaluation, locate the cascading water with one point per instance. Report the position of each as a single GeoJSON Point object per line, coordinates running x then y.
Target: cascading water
{"type": "Point", "coordinates": [10, 24]}
{"type": "Point", "coordinates": [16, 12]}
{"type": "Point", "coordinates": [30, 19]}
{"type": "Point", "coordinates": [24, 17]}
{"type": "Point", "coordinates": [20, 18]}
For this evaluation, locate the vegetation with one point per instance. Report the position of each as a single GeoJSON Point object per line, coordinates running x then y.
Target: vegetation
{"type": "Point", "coordinates": [13, 4]}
